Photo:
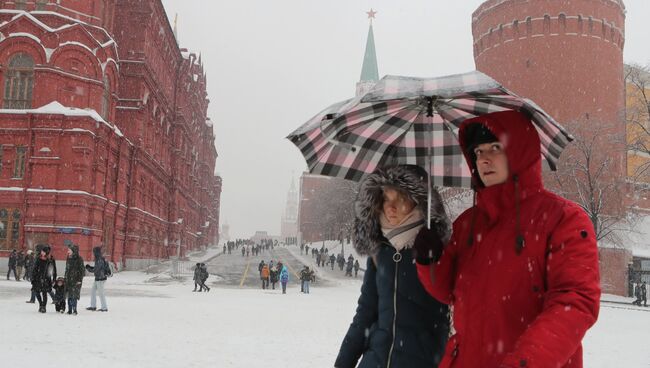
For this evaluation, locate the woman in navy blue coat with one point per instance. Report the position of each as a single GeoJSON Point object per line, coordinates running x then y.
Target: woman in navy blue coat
{"type": "Point", "coordinates": [397, 323]}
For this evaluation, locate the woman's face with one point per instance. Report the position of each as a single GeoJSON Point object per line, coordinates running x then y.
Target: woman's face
{"type": "Point", "coordinates": [396, 206]}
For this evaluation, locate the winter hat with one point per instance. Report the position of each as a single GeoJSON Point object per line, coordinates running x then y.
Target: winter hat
{"type": "Point", "coordinates": [477, 134]}
{"type": "Point", "coordinates": [46, 249]}
{"type": "Point", "coordinates": [73, 247]}
{"type": "Point", "coordinates": [97, 252]}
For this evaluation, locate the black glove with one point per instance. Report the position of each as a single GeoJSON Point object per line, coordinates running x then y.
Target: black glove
{"type": "Point", "coordinates": [427, 246]}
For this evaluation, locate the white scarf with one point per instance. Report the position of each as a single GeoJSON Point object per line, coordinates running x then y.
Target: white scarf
{"type": "Point", "coordinates": [403, 234]}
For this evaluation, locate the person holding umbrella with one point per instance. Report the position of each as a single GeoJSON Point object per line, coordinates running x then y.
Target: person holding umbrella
{"type": "Point", "coordinates": [521, 268]}
{"type": "Point", "coordinates": [397, 323]}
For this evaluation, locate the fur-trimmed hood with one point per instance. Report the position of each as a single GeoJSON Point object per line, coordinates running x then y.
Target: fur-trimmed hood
{"type": "Point", "coordinates": [412, 180]}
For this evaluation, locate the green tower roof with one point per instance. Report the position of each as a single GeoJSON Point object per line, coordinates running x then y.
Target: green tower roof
{"type": "Point", "coordinates": [369, 71]}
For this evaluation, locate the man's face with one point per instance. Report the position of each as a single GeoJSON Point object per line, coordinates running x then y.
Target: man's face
{"type": "Point", "coordinates": [491, 163]}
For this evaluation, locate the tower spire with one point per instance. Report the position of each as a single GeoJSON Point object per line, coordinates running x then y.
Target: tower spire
{"type": "Point", "coordinates": [369, 70]}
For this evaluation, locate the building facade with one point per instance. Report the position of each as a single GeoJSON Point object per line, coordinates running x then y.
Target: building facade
{"type": "Point", "coordinates": [104, 135]}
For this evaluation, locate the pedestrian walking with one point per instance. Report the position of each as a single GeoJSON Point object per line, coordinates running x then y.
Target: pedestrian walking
{"type": "Point", "coordinates": [332, 261]}
{"type": "Point", "coordinates": [102, 270]}
{"type": "Point", "coordinates": [52, 263]}
{"type": "Point", "coordinates": [521, 269]}
{"type": "Point", "coordinates": [29, 265]}
{"type": "Point", "coordinates": [396, 323]}
{"type": "Point", "coordinates": [13, 259]}
{"type": "Point", "coordinates": [20, 265]}
{"type": "Point", "coordinates": [306, 276]}
{"type": "Point", "coordinates": [274, 276]}
{"type": "Point", "coordinates": [204, 274]}
{"type": "Point", "coordinates": [43, 276]}
{"type": "Point", "coordinates": [356, 267]}
{"type": "Point", "coordinates": [284, 278]}
{"type": "Point", "coordinates": [349, 266]}
{"type": "Point", "coordinates": [197, 277]}
{"type": "Point", "coordinates": [264, 275]}
{"type": "Point", "coordinates": [74, 276]}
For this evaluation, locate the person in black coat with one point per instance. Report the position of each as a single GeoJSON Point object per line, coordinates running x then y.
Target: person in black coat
{"type": "Point", "coordinates": [43, 275]}
{"type": "Point", "coordinates": [397, 323]}
{"type": "Point", "coordinates": [74, 275]}
{"type": "Point", "coordinates": [29, 265]}
{"type": "Point", "coordinates": [13, 260]}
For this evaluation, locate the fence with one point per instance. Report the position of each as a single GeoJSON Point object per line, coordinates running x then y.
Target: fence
{"type": "Point", "coordinates": [182, 268]}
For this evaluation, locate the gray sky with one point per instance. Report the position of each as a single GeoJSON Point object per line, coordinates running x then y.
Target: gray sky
{"type": "Point", "coordinates": [271, 65]}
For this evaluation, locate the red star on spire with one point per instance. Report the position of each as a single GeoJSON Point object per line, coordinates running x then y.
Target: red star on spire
{"type": "Point", "coordinates": [371, 14]}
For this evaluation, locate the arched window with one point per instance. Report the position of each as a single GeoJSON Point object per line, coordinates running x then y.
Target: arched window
{"type": "Point", "coordinates": [19, 163]}
{"type": "Point", "coordinates": [19, 82]}
{"type": "Point", "coordinates": [9, 228]}
{"type": "Point", "coordinates": [106, 99]}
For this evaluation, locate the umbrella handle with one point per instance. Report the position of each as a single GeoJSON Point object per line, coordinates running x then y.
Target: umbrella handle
{"type": "Point", "coordinates": [428, 161]}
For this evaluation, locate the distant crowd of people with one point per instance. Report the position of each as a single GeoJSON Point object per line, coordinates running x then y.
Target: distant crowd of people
{"type": "Point", "coordinates": [323, 258]}
{"type": "Point", "coordinates": [272, 273]}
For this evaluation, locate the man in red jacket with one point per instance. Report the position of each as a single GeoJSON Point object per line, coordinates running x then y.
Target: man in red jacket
{"type": "Point", "coordinates": [521, 267]}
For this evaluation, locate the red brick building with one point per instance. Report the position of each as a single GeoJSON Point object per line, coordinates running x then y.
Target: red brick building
{"type": "Point", "coordinates": [104, 134]}
{"type": "Point", "coordinates": [567, 56]}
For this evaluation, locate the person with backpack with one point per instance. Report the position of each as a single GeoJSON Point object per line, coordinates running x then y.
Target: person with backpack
{"type": "Point", "coordinates": [264, 275]}
{"type": "Point", "coordinates": [102, 271]}
{"type": "Point", "coordinates": [284, 277]}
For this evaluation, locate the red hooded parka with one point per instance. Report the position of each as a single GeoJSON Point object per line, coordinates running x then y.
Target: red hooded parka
{"type": "Point", "coordinates": [517, 305]}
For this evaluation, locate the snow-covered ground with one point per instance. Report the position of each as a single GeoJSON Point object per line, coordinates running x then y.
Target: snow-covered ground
{"type": "Point", "coordinates": [156, 321]}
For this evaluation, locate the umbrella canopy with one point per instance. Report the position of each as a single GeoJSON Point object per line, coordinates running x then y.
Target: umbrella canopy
{"type": "Point", "coordinates": [405, 120]}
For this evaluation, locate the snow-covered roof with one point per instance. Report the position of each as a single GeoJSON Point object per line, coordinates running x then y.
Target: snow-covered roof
{"type": "Point", "coordinates": [75, 22]}
{"type": "Point", "coordinates": [55, 107]}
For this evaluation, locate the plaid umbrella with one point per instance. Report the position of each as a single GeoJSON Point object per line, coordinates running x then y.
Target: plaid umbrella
{"type": "Point", "coordinates": [405, 120]}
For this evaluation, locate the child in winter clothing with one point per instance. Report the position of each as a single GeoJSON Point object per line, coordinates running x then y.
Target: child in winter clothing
{"type": "Point", "coordinates": [59, 295]}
